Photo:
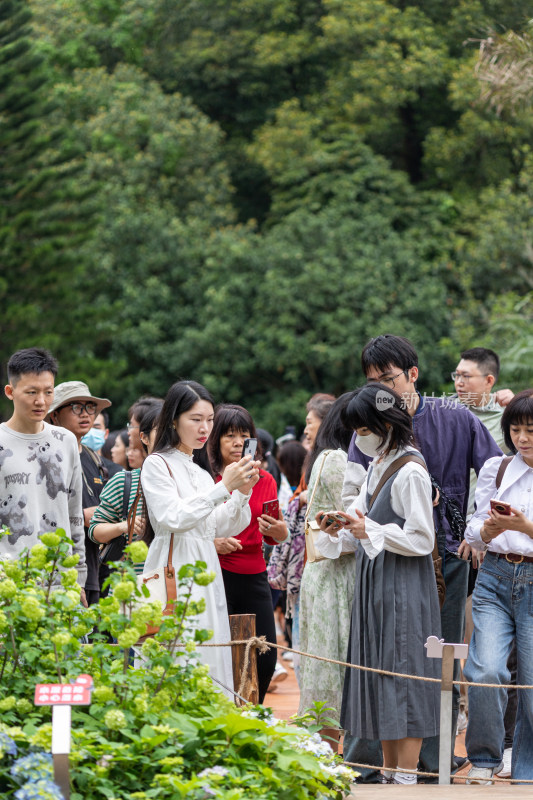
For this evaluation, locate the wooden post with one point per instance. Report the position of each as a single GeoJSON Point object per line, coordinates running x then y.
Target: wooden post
{"type": "Point", "coordinates": [242, 626]}
{"type": "Point", "coordinates": [446, 689]}
{"type": "Point", "coordinates": [438, 648]}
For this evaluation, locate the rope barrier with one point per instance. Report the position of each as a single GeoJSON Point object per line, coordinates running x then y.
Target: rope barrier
{"type": "Point", "coordinates": [430, 774]}
{"type": "Point", "coordinates": [263, 645]}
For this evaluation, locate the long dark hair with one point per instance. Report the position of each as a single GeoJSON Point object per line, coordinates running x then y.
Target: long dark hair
{"type": "Point", "coordinates": [147, 416]}
{"type": "Point", "coordinates": [332, 434]}
{"type": "Point", "coordinates": [229, 417]}
{"type": "Point", "coordinates": [291, 457]}
{"type": "Point", "coordinates": [180, 398]}
{"type": "Point", "coordinates": [375, 406]}
{"type": "Point", "coordinates": [266, 441]}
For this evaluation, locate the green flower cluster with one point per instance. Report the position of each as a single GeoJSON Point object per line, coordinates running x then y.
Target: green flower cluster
{"type": "Point", "coordinates": [154, 707]}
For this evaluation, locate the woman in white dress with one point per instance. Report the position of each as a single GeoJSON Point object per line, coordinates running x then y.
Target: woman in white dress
{"type": "Point", "coordinates": [189, 504]}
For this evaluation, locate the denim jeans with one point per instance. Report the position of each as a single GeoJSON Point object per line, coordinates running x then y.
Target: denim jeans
{"type": "Point", "coordinates": [455, 572]}
{"type": "Point", "coordinates": [502, 610]}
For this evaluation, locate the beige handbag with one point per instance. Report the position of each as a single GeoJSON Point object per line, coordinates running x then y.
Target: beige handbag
{"type": "Point", "coordinates": [312, 528]}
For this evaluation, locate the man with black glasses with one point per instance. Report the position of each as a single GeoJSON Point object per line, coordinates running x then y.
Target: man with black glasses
{"type": "Point", "coordinates": [75, 409]}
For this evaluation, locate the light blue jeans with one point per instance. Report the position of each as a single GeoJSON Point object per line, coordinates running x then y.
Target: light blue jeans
{"type": "Point", "coordinates": [502, 610]}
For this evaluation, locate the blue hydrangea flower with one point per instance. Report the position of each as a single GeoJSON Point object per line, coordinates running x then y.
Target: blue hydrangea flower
{"type": "Point", "coordinates": [33, 767]}
{"type": "Point", "coordinates": [7, 745]}
{"type": "Point", "coordinates": [39, 790]}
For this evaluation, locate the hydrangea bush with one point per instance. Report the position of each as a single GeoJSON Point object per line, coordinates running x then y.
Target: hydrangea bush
{"type": "Point", "coordinates": [157, 727]}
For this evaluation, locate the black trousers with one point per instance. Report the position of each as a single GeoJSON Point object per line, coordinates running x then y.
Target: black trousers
{"type": "Point", "coordinates": [250, 594]}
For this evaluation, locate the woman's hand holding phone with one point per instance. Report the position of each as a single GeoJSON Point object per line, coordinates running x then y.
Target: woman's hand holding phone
{"type": "Point", "coordinates": [275, 528]}
{"type": "Point", "coordinates": [356, 525]}
{"type": "Point", "coordinates": [331, 521]}
{"type": "Point", "coordinates": [497, 523]}
{"type": "Point", "coordinates": [242, 473]}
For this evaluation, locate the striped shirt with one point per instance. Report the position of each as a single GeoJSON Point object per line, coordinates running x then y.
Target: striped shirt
{"type": "Point", "coordinates": [112, 501]}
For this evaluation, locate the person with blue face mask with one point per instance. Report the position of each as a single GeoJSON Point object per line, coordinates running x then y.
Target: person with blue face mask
{"type": "Point", "coordinates": [76, 409]}
{"type": "Point", "coordinates": [94, 440]}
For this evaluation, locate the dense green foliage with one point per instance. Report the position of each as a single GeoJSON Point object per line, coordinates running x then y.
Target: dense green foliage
{"type": "Point", "coordinates": [275, 183]}
{"type": "Point", "coordinates": [156, 729]}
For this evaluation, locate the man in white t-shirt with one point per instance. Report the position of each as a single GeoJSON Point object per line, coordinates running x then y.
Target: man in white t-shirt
{"type": "Point", "coordinates": [40, 474]}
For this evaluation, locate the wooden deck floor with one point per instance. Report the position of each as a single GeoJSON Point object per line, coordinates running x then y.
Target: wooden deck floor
{"type": "Point", "coordinates": [432, 792]}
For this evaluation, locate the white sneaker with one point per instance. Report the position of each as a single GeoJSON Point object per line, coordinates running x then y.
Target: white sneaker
{"type": "Point", "coordinates": [481, 775]}
{"type": "Point", "coordinates": [287, 656]}
{"type": "Point", "coordinates": [280, 674]}
{"type": "Point", "coordinates": [462, 721]}
{"type": "Point", "coordinates": [505, 771]}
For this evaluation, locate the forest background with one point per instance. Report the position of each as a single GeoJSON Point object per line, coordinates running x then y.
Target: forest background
{"type": "Point", "coordinates": [242, 192]}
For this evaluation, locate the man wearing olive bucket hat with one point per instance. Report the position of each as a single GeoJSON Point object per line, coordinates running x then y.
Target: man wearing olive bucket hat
{"type": "Point", "coordinates": [76, 409]}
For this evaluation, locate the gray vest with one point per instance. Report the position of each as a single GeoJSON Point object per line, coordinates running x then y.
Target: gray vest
{"type": "Point", "coordinates": [382, 511]}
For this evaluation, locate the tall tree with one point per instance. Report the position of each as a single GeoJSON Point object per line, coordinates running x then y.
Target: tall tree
{"type": "Point", "coordinates": [45, 216]}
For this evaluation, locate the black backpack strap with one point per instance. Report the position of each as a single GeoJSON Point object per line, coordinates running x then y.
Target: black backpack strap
{"type": "Point", "coordinates": [504, 463]}
{"type": "Point", "coordinates": [104, 474]}
{"type": "Point", "coordinates": [126, 495]}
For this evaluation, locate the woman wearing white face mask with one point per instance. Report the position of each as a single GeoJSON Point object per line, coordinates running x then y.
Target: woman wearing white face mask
{"type": "Point", "coordinates": [395, 605]}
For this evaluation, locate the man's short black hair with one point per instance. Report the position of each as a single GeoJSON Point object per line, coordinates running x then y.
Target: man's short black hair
{"type": "Point", "coordinates": [34, 360]}
{"type": "Point", "coordinates": [105, 416]}
{"type": "Point", "coordinates": [387, 351]}
{"type": "Point", "coordinates": [487, 360]}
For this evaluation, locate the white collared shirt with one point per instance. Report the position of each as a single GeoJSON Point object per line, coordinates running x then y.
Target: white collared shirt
{"type": "Point", "coordinates": [517, 489]}
{"type": "Point", "coordinates": [410, 499]}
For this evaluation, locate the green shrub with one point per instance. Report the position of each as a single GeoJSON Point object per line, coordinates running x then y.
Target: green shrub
{"type": "Point", "coordinates": [156, 729]}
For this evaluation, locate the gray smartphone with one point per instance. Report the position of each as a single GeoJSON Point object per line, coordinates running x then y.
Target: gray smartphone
{"type": "Point", "coordinates": [249, 448]}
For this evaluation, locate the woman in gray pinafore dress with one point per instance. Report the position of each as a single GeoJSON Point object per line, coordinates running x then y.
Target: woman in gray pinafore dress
{"type": "Point", "coordinates": [395, 605]}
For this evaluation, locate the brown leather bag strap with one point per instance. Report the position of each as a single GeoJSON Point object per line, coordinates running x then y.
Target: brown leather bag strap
{"type": "Point", "coordinates": [132, 513]}
{"type": "Point", "coordinates": [391, 470]}
{"type": "Point", "coordinates": [169, 571]}
{"type": "Point", "coordinates": [504, 463]}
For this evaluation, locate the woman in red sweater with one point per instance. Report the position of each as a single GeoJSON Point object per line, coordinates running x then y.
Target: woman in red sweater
{"type": "Point", "coordinates": [241, 557]}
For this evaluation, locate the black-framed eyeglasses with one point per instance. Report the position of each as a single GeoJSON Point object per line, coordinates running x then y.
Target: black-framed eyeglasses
{"type": "Point", "coordinates": [465, 377]}
{"type": "Point", "coordinates": [78, 408]}
{"type": "Point", "coordinates": [388, 381]}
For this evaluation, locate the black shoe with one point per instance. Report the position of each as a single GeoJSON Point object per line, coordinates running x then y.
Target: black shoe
{"type": "Point", "coordinates": [458, 763]}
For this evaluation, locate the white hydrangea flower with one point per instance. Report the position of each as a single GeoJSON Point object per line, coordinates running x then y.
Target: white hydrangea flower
{"type": "Point", "coordinates": [213, 771]}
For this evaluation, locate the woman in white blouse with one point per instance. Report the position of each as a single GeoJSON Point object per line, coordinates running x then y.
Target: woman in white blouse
{"type": "Point", "coordinates": [502, 603]}
{"type": "Point", "coordinates": [189, 504]}
{"type": "Point", "coordinates": [395, 606]}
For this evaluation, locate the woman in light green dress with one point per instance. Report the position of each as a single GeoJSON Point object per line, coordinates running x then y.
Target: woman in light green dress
{"type": "Point", "coordinates": [327, 587]}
